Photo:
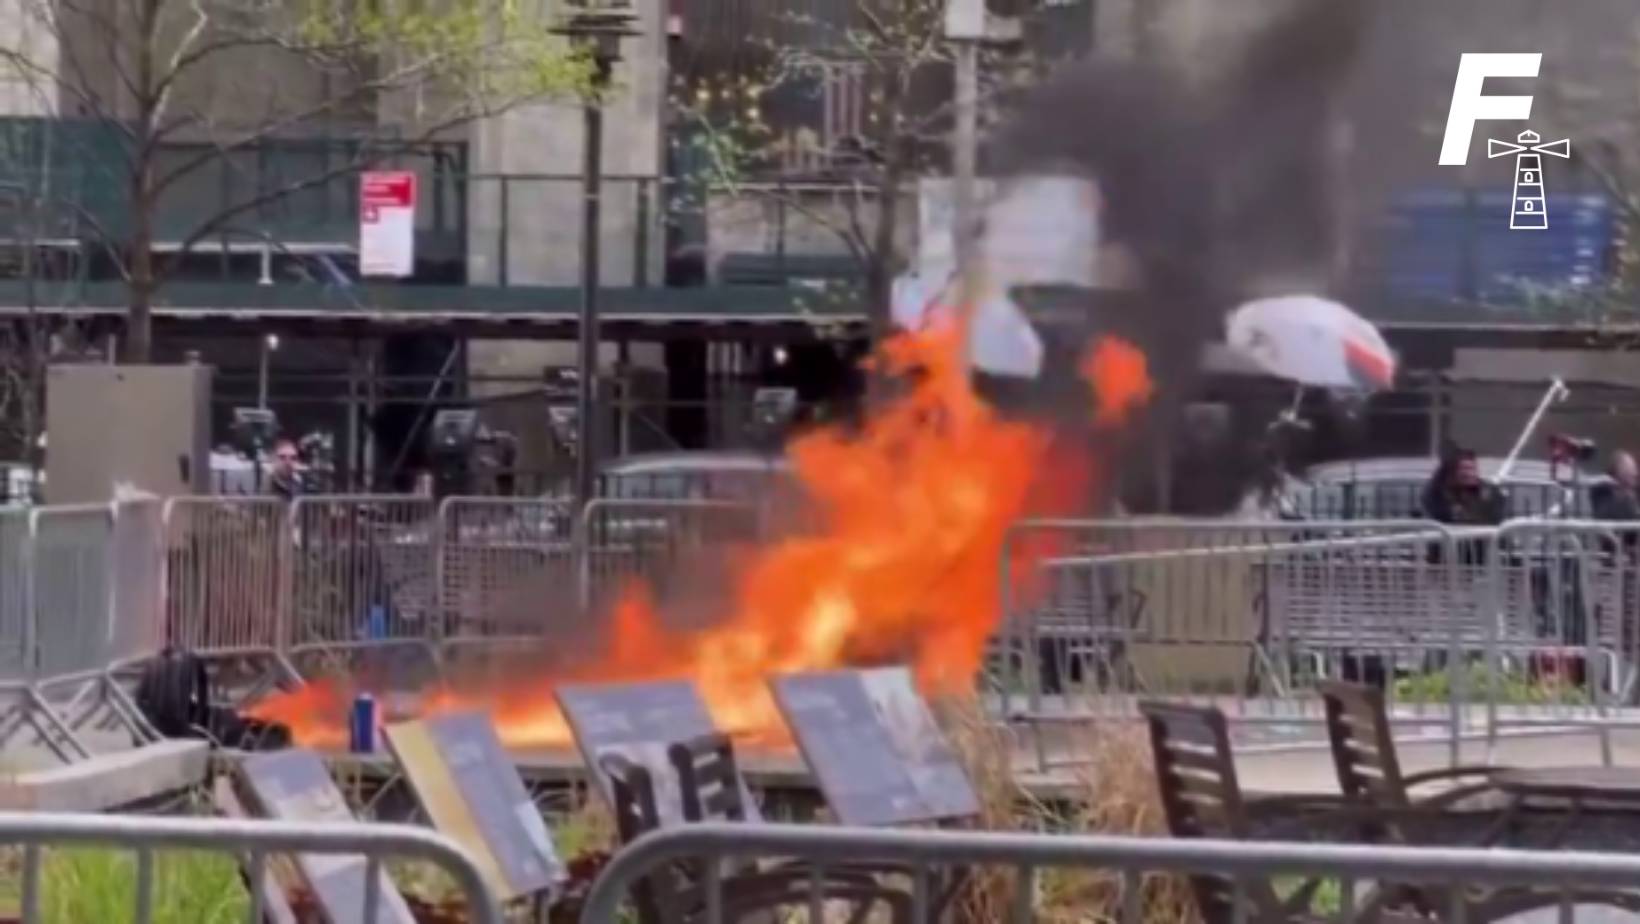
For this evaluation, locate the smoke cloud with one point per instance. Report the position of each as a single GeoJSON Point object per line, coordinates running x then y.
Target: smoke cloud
{"type": "Point", "coordinates": [1214, 189]}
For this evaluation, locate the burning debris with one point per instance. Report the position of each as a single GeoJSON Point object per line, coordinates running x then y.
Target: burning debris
{"type": "Point", "coordinates": [1205, 192]}
{"type": "Point", "coordinates": [909, 513]}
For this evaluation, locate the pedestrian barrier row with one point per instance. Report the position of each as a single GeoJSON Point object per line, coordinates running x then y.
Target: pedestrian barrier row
{"type": "Point", "coordinates": [87, 587]}
{"type": "Point", "coordinates": [79, 588]}
{"type": "Point", "coordinates": [1027, 870]}
{"type": "Point", "coordinates": [1534, 623]}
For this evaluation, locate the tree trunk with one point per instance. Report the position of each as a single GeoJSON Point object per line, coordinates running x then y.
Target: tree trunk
{"type": "Point", "coordinates": [36, 338]}
{"type": "Point", "coordinates": [882, 260]}
{"type": "Point", "coordinates": [139, 318]}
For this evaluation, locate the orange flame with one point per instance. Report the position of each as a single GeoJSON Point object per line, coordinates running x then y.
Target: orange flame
{"type": "Point", "coordinates": [1120, 379]}
{"type": "Point", "coordinates": [913, 509]}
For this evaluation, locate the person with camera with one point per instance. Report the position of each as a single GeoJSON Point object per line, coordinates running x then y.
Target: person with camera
{"type": "Point", "coordinates": [285, 477]}
{"type": "Point", "coordinates": [1457, 495]}
{"type": "Point", "coordinates": [1618, 499]}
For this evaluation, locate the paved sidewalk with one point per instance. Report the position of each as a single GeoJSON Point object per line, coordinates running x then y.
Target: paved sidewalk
{"type": "Point", "coordinates": [1311, 771]}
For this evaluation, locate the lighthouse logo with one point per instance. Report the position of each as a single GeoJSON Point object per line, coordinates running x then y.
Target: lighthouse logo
{"type": "Point", "coordinates": [1470, 104]}
{"type": "Point", "coordinates": [1527, 210]}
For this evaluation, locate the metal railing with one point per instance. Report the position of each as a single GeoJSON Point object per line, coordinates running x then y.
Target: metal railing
{"type": "Point", "coordinates": [499, 560]}
{"type": "Point", "coordinates": [71, 587]}
{"type": "Point", "coordinates": [1564, 647]}
{"type": "Point", "coordinates": [1130, 862]}
{"type": "Point", "coordinates": [1088, 603]}
{"type": "Point", "coordinates": [136, 615]}
{"type": "Point", "coordinates": [1533, 624]}
{"type": "Point", "coordinates": [364, 568]}
{"type": "Point", "coordinates": [16, 611]}
{"type": "Point", "coordinates": [622, 542]}
{"type": "Point", "coordinates": [253, 844]}
{"type": "Point", "coordinates": [226, 572]}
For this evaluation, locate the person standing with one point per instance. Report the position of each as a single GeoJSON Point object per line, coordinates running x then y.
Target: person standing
{"type": "Point", "coordinates": [1457, 495]}
{"type": "Point", "coordinates": [285, 478]}
{"type": "Point", "coordinates": [1618, 499]}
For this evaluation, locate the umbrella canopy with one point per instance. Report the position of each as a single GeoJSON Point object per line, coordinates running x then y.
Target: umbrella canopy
{"type": "Point", "coordinates": [1313, 341]}
{"type": "Point", "coordinates": [1001, 339]}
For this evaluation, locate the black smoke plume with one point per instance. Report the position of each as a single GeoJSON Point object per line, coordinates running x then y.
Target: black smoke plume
{"type": "Point", "coordinates": [1216, 186]}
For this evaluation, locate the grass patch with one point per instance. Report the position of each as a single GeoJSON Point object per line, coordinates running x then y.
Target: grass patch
{"type": "Point", "coordinates": [1118, 797]}
{"type": "Point", "coordinates": [1508, 687]}
{"type": "Point", "coordinates": [587, 829]}
{"type": "Point", "coordinates": [1327, 900]}
{"type": "Point", "coordinates": [189, 887]}
{"type": "Point", "coordinates": [80, 885]}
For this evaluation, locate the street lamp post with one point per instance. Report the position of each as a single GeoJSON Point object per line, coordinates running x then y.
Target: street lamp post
{"type": "Point", "coordinates": [965, 28]}
{"type": "Point", "coordinates": [968, 25]}
{"type": "Point", "coordinates": [595, 28]}
{"type": "Point", "coordinates": [270, 345]}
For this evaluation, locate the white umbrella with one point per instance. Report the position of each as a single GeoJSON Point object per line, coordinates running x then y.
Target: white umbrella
{"type": "Point", "coordinates": [1313, 341]}
{"type": "Point", "coordinates": [1001, 339]}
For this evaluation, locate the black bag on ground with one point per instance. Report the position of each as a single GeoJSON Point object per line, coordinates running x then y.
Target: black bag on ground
{"type": "Point", "coordinates": [174, 694]}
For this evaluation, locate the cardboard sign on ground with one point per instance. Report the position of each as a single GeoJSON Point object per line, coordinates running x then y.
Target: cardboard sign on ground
{"type": "Point", "coordinates": [295, 786]}
{"type": "Point", "coordinates": [874, 747]}
{"type": "Point", "coordinates": [276, 882]}
{"type": "Point", "coordinates": [640, 721]}
{"type": "Point", "coordinates": [471, 791]}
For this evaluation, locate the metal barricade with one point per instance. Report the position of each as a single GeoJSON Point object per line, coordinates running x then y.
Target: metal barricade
{"type": "Point", "coordinates": [505, 564]}
{"type": "Point", "coordinates": [1565, 634]}
{"type": "Point", "coordinates": [254, 844]}
{"type": "Point", "coordinates": [137, 617]}
{"type": "Point", "coordinates": [1243, 616]}
{"type": "Point", "coordinates": [71, 588]}
{"type": "Point", "coordinates": [227, 571]}
{"type": "Point", "coordinates": [1376, 607]}
{"type": "Point", "coordinates": [1125, 874]}
{"type": "Point", "coordinates": [16, 610]}
{"type": "Point", "coordinates": [364, 569]}
{"type": "Point", "coordinates": [625, 541]}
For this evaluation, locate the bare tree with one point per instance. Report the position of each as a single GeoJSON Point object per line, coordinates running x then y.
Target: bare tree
{"type": "Point", "coordinates": [181, 86]}
{"type": "Point", "coordinates": [881, 65]}
{"type": "Point", "coordinates": [28, 344]}
{"type": "Point", "coordinates": [1598, 108]}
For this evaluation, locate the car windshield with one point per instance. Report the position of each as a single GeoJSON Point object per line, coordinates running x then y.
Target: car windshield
{"type": "Point", "coordinates": [1402, 498]}
{"type": "Point", "coordinates": [695, 482]}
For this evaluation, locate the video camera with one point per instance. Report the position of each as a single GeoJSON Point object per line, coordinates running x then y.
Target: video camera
{"type": "Point", "coordinates": [254, 429]}
{"type": "Point", "coordinates": [1563, 448]}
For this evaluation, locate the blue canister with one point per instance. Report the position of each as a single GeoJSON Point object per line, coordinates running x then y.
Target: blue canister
{"type": "Point", "coordinates": [362, 736]}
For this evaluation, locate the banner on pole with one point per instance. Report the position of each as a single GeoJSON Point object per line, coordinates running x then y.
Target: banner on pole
{"type": "Point", "coordinates": [387, 223]}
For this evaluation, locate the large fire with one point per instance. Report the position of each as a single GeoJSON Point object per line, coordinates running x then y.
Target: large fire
{"type": "Point", "coordinates": [900, 564]}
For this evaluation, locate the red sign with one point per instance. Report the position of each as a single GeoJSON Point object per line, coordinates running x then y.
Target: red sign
{"type": "Point", "coordinates": [388, 188]}
{"type": "Point", "coordinates": [387, 223]}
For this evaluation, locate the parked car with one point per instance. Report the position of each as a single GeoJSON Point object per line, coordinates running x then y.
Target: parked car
{"type": "Point", "coordinates": [695, 475]}
{"type": "Point", "coordinates": [1392, 489]}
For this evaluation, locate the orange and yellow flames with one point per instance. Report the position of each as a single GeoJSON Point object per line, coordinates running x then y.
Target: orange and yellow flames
{"type": "Point", "coordinates": [901, 565]}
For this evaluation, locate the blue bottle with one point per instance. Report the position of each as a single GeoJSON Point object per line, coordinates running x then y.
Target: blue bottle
{"type": "Point", "coordinates": [362, 728]}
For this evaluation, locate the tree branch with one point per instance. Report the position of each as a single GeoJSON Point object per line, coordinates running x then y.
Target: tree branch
{"type": "Point", "coordinates": [396, 80]}
{"type": "Point", "coordinates": [222, 218]}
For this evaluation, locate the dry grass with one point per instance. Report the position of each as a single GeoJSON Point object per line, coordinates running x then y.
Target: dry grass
{"type": "Point", "coordinates": [1117, 796]}
{"type": "Point", "coordinates": [588, 828]}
